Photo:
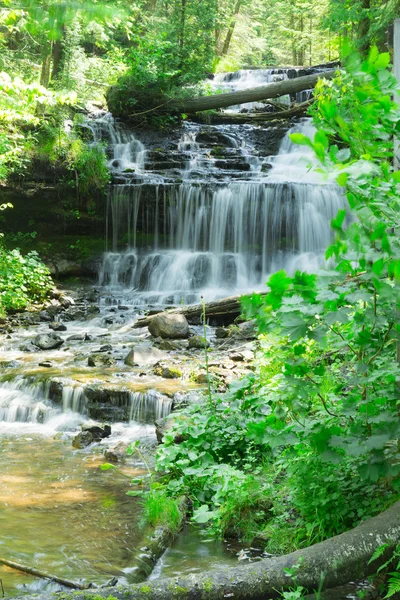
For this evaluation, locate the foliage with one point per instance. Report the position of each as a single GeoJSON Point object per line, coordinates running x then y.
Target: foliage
{"type": "Point", "coordinates": [391, 579]}
{"type": "Point", "coordinates": [160, 510]}
{"type": "Point", "coordinates": [315, 432]}
{"type": "Point", "coordinates": [23, 280]}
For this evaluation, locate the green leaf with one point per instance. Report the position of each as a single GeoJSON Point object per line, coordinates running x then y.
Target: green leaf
{"type": "Point", "coordinates": [294, 326]}
{"type": "Point", "coordinates": [301, 140]}
{"type": "Point", "coordinates": [107, 467]}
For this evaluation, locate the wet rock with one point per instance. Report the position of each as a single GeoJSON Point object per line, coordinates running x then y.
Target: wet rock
{"type": "Point", "coordinates": [237, 356]}
{"type": "Point", "coordinates": [198, 342]}
{"type": "Point", "coordinates": [44, 316]}
{"type": "Point", "coordinates": [116, 453]}
{"type": "Point", "coordinates": [9, 364]}
{"type": "Point", "coordinates": [57, 326]}
{"type": "Point", "coordinates": [106, 348]}
{"type": "Point", "coordinates": [144, 354]}
{"type": "Point", "coordinates": [171, 345]}
{"type": "Point", "coordinates": [74, 315]}
{"type": "Point", "coordinates": [100, 360]}
{"type": "Point", "coordinates": [92, 310]}
{"type": "Point", "coordinates": [172, 326]}
{"type": "Point", "coordinates": [77, 337]}
{"type": "Point", "coordinates": [82, 440]}
{"type": "Point", "coordinates": [99, 431]}
{"type": "Point", "coordinates": [46, 364]}
{"type": "Point", "coordinates": [167, 372]}
{"type": "Point", "coordinates": [204, 378]}
{"type": "Point", "coordinates": [48, 341]}
{"type": "Point", "coordinates": [222, 333]}
{"type": "Point", "coordinates": [213, 136]}
{"type": "Point", "coordinates": [245, 331]}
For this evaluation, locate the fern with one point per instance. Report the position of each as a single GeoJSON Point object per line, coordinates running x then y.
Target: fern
{"type": "Point", "coordinates": [378, 553]}
{"type": "Point", "coordinates": [394, 584]}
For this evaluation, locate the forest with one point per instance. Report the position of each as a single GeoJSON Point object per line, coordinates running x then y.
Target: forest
{"type": "Point", "coordinates": [199, 299]}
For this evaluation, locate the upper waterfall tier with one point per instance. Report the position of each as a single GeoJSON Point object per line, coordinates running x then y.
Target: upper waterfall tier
{"type": "Point", "coordinates": [212, 213]}
{"type": "Point", "coordinates": [250, 78]}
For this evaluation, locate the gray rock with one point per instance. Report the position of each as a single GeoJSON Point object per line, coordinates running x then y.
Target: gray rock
{"type": "Point", "coordinates": [198, 342]}
{"type": "Point", "coordinates": [99, 431]}
{"type": "Point", "coordinates": [116, 453]}
{"type": "Point", "coordinates": [48, 341]}
{"type": "Point", "coordinates": [171, 326]}
{"type": "Point", "coordinates": [82, 440]}
{"type": "Point", "coordinates": [44, 316]}
{"type": "Point", "coordinates": [143, 354]}
{"type": "Point", "coordinates": [77, 337]}
{"type": "Point", "coordinates": [57, 326]}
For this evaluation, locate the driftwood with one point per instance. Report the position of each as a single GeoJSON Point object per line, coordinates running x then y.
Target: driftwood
{"type": "Point", "coordinates": [232, 118]}
{"type": "Point", "coordinates": [264, 92]}
{"type": "Point", "coordinates": [37, 573]}
{"type": "Point", "coordinates": [219, 308]}
{"type": "Point", "coordinates": [329, 564]}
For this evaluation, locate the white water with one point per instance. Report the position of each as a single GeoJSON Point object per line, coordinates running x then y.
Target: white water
{"type": "Point", "coordinates": [217, 239]}
{"type": "Point", "coordinates": [28, 405]}
{"type": "Point", "coordinates": [246, 79]}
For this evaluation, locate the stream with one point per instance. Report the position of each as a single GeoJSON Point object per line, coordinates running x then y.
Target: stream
{"type": "Point", "coordinates": [211, 213]}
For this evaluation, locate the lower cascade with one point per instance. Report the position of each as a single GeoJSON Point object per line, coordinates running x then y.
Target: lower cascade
{"type": "Point", "coordinates": [211, 227]}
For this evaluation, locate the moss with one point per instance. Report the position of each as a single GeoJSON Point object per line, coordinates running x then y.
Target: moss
{"type": "Point", "coordinates": [208, 585]}
{"type": "Point", "coordinates": [145, 589]}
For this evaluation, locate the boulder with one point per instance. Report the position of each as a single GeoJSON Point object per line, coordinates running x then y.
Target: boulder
{"type": "Point", "coordinates": [198, 342]}
{"type": "Point", "coordinates": [222, 333]}
{"type": "Point", "coordinates": [172, 326]}
{"type": "Point", "coordinates": [48, 341]}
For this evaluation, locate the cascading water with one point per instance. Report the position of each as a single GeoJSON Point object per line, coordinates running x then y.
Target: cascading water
{"type": "Point", "coordinates": [219, 224]}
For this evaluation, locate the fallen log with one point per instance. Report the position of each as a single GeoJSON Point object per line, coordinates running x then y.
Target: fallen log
{"type": "Point", "coordinates": [263, 92]}
{"type": "Point", "coordinates": [226, 307]}
{"type": "Point", "coordinates": [334, 562]}
{"type": "Point", "coordinates": [232, 118]}
{"type": "Point", "coordinates": [32, 571]}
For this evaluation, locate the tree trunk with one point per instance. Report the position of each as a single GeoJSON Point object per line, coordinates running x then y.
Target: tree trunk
{"type": "Point", "coordinates": [271, 90]}
{"type": "Point", "coordinates": [231, 28]}
{"type": "Point", "coordinates": [334, 562]}
{"type": "Point", "coordinates": [57, 52]}
{"type": "Point", "coordinates": [46, 64]}
{"type": "Point", "coordinates": [233, 118]}
{"type": "Point", "coordinates": [219, 308]}
{"type": "Point", "coordinates": [363, 27]}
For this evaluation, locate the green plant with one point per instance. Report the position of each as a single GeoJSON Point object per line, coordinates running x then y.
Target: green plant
{"type": "Point", "coordinates": [319, 422]}
{"type": "Point", "coordinates": [23, 279]}
{"type": "Point", "coordinates": [391, 579]}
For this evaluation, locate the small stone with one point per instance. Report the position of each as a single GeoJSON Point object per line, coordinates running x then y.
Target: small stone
{"type": "Point", "coordinates": [44, 316]}
{"type": "Point", "coordinates": [46, 364]}
{"type": "Point", "coordinates": [57, 326]}
{"type": "Point", "coordinates": [168, 372]}
{"type": "Point", "coordinates": [100, 360]}
{"type": "Point", "coordinates": [116, 453]}
{"type": "Point", "coordinates": [237, 357]}
{"type": "Point", "coordinates": [99, 431]}
{"type": "Point", "coordinates": [77, 337]}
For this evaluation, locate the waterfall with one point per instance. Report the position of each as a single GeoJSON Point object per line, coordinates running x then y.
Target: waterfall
{"type": "Point", "coordinates": [208, 233]}
{"type": "Point", "coordinates": [24, 402]}
{"type": "Point", "coordinates": [73, 399]}
{"type": "Point", "coordinates": [147, 407]}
